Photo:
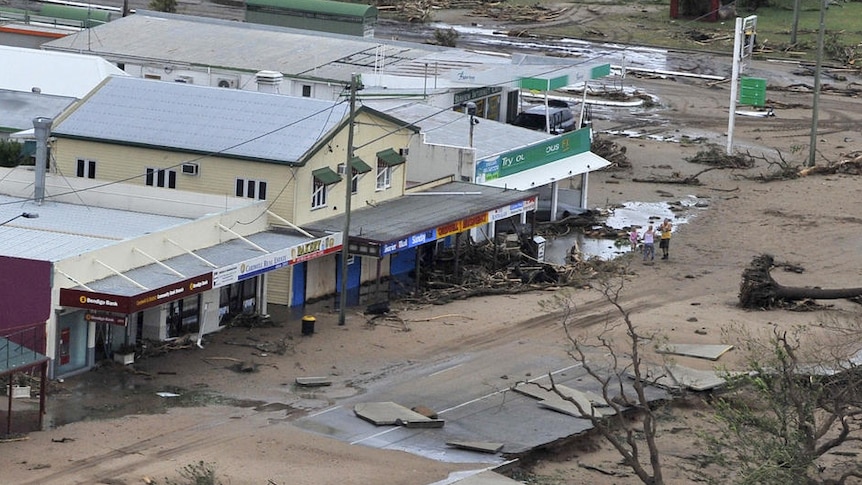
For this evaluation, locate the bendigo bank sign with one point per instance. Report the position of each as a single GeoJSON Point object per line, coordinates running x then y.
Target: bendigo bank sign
{"type": "Point", "coordinates": [130, 304]}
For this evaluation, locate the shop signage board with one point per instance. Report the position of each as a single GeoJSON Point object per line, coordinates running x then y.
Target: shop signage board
{"type": "Point", "coordinates": [455, 227]}
{"type": "Point", "coordinates": [513, 209]}
{"type": "Point", "coordinates": [112, 319]}
{"type": "Point", "coordinates": [131, 304]}
{"type": "Point", "coordinates": [532, 156]}
{"type": "Point", "coordinates": [298, 253]}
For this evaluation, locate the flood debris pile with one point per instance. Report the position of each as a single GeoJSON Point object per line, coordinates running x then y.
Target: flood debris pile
{"type": "Point", "coordinates": [849, 164]}
{"type": "Point", "coordinates": [782, 169]}
{"type": "Point", "coordinates": [610, 151]}
{"type": "Point", "coordinates": [506, 267]}
{"type": "Point", "coordinates": [759, 291]}
{"type": "Point", "coordinates": [715, 156]}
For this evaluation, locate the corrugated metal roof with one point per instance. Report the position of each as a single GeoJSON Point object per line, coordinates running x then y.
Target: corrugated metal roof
{"type": "Point", "coordinates": [397, 218]}
{"type": "Point", "coordinates": [200, 119]}
{"type": "Point", "coordinates": [224, 254]}
{"type": "Point", "coordinates": [65, 230]}
{"type": "Point", "coordinates": [251, 47]}
{"type": "Point", "coordinates": [447, 127]}
{"type": "Point", "coordinates": [57, 73]}
{"type": "Point", "coordinates": [19, 108]}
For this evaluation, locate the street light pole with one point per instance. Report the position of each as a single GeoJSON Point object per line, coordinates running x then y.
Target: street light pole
{"type": "Point", "coordinates": [348, 193]}
{"type": "Point", "coordinates": [812, 147]}
{"type": "Point", "coordinates": [25, 215]}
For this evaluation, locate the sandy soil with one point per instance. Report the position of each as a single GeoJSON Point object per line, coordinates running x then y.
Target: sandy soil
{"type": "Point", "coordinates": [242, 422]}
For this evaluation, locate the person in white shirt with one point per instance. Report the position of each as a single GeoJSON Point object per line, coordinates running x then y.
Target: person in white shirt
{"type": "Point", "coordinates": [649, 243]}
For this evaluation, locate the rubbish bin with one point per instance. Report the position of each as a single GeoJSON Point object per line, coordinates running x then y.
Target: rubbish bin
{"type": "Point", "coordinates": [308, 324]}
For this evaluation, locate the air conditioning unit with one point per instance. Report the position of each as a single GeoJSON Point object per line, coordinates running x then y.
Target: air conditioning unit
{"type": "Point", "coordinates": [226, 82]}
{"type": "Point", "coordinates": [190, 169]}
{"type": "Point", "coordinates": [341, 169]}
{"type": "Point", "coordinates": [184, 79]}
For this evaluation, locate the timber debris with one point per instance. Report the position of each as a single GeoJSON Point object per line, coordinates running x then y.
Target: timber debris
{"type": "Point", "coordinates": [758, 290]}
{"type": "Point", "coordinates": [506, 268]}
{"type": "Point", "coordinates": [420, 11]}
{"type": "Point", "coordinates": [610, 151]}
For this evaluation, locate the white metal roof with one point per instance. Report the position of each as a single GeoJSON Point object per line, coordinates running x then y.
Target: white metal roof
{"type": "Point", "coordinates": [451, 128]}
{"type": "Point", "coordinates": [241, 46]}
{"type": "Point", "coordinates": [64, 230]}
{"type": "Point", "coordinates": [202, 119]}
{"type": "Point", "coordinates": [56, 73]}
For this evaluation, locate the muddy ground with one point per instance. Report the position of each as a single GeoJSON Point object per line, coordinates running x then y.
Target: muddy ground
{"type": "Point", "coordinates": [242, 421]}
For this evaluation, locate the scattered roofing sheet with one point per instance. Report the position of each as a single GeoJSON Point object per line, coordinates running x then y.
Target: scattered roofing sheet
{"type": "Point", "coordinates": [674, 376]}
{"type": "Point", "coordinates": [313, 381]}
{"type": "Point", "coordinates": [387, 413]}
{"type": "Point", "coordinates": [480, 446]}
{"type": "Point", "coordinates": [711, 352]}
{"type": "Point", "coordinates": [486, 477]}
{"type": "Point", "coordinates": [553, 400]}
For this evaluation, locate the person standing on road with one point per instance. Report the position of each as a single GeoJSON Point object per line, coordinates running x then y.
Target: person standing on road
{"type": "Point", "coordinates": [666, 228]}
{"type": "Point", "coordinates": [649, 243]}
{"type": "Point", "coordinates": [633, 238]}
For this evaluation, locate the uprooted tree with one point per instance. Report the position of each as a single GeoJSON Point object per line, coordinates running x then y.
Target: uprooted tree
{"type": "Point", "coordinates": [794, 416]}
{"type": "Point", "coordinates": [624, 378]}
{"type": "Point", "coordinates": [759, 290]}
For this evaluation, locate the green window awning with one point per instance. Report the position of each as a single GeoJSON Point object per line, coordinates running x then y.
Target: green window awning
{"type": "Point", "coordinates": [390, 157]}
{"type": "Point", "coordinates": [360, 166]}
{"type": "Point", "coordinates": [326, 176]}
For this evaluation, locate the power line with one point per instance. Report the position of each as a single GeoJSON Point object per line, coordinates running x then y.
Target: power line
{"type": "Point", "coordinates": [196, 159]}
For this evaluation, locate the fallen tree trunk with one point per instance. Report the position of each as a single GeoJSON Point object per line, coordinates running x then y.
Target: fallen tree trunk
{"type": "Point", "coordinates": [759, 291]}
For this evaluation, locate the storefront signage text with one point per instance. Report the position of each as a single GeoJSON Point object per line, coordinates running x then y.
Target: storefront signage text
{"type": "Point", "coordinates": [532, 156]}
{"type": "Point", "coordinates": [513, 209]}
{"type": "Point", "coordinates": [130, 304]}
{"type": "Point", "coordinates": [298, 253]}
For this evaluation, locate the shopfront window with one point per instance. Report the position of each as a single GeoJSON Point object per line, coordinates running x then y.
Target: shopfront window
{"type": "Point", "coordinates": [238, 298]}
{"type": "Point", "coordinates": [184, 316]}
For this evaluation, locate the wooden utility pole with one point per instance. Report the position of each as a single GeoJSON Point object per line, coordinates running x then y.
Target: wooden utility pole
{"type": "Point", "coordinates": [348, 193]}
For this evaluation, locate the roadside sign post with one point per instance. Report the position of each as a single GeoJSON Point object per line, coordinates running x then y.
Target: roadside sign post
{"type": "Point", "coordinates": [743, 46]}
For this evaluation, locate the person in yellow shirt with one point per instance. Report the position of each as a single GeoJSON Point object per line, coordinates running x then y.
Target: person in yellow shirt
{"type": "Point", "coordinates": [665, 229]}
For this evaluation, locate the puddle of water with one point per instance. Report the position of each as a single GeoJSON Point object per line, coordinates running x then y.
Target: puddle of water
{"type": "Point", "coordinates": [627, 215]}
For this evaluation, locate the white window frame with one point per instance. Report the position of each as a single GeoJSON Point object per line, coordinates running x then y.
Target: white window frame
{"type": "Point", "coordinates": [86, 168]}
{"type": "Point", "coordinates": [250, 188]}
{"type": "Point", "coordinates": [384, 175]}
{"type": "Point", "coordinates": [160, 177]}
{"type": "Point", "coordinates": [318, 194]}
{"type": "Point", "coordinates": [354, 180]}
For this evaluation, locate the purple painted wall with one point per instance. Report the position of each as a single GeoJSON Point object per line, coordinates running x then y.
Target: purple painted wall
{"type": "Point", "coordinates": [25, 293]}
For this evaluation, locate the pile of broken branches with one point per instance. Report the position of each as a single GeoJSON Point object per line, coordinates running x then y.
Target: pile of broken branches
{"type": "Point", "coordinates": [714, 156]}
{"type": "Point", "coordinates": [850, 164]}
{"type": "Point", "coordinates": [610, 151]}
{"type": "Point", "coordinates": [479, 276]}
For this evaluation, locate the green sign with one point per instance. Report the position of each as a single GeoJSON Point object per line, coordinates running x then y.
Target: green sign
{"type": "Point", "coordinates": [752, 91]}
{"type": "Point", "coordinates": [533, 156]}
{"type": "Point", "coordinates": [573, 76]}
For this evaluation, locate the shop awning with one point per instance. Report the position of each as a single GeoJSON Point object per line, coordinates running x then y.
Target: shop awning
{"type": "Point", "coordinates": [551, 172]}
{"type": "Point", "coordinates": [185, 275]}
{"type": "Point", "coordinates": [422, 217]}
{"type": "Point", "coordinates": [326, 176]}
{"type": "Point", "coordinates": [360, 166]}
{"type": "Point", "coordinates": [390, 157]}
